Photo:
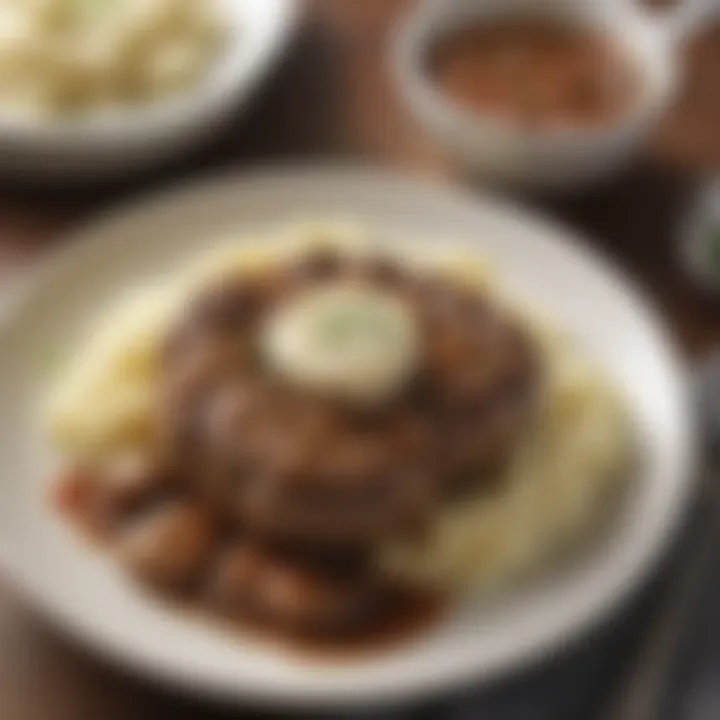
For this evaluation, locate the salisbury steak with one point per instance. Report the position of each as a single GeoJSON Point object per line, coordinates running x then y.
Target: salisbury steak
{"type": "Point", "coordinates": [284, 463]}
{"type": "Point", "coordinates": [294, 594]}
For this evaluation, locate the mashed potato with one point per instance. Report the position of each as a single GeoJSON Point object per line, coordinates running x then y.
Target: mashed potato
{"type": "Point", "coordinates": [101, 408]}
{"type": "Point", "coordinates": [60, 57]}
{"type": "Point", "coordinates": [552, 491]}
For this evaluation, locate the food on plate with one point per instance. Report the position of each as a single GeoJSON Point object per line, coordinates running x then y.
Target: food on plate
{"type": "Point", "coordinates": [323, 438]}
{"type": "Point", "coordinates": [536, 74]}
{"type": "Point", "coordinates": [61, 58]}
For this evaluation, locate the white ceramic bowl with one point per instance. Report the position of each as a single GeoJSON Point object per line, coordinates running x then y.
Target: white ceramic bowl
{"type": "Point", "coordinates": [507, 153]}
{"type": "Point", "coordinates": [83, 591]}
{"type": "Point", "coordinates": [107, 146]}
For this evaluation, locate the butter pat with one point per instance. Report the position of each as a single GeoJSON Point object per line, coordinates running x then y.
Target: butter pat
{"type": "Point", "coordinates": [346, 341]}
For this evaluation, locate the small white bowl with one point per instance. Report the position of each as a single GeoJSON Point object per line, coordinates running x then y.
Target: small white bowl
{"type": "Point", "coordinates": [507, 153]}
{"type": "Point", "coordinates": [128, 140]}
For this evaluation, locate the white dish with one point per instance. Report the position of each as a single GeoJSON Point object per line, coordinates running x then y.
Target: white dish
{"type": "Point", "coordinates": [109, 145]}
{"type": "Point", "coordinates": [507, 153]}
{"type": "Point", "coordinates": [83, 592]}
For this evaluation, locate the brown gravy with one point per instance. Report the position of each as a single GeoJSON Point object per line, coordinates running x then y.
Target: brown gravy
{"type": "Point", "coordinates": [407, 613]}
{"type": "Point", "coordinates": [536, 74]}
{"type": "Point", "coordinates": [71, 495]}
{"type": "Point", "coordinates": [689, 136]}
{"type": "Point", "coordinates": [407, 617]}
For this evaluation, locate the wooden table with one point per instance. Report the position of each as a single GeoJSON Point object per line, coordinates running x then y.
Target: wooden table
{"type": "Point", "coordinates": [332, 99]}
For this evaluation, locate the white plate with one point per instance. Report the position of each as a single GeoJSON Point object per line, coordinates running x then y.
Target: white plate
{"type": "Point", "coordinates": [84, 593]}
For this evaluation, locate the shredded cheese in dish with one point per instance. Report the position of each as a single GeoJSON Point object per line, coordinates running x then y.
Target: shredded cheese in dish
{"type": "Point", "coordinates": [73, 57]}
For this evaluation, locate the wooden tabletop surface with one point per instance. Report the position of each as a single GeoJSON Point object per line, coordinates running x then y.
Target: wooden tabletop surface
{"type": "Point", "coordinates": [331, 99]}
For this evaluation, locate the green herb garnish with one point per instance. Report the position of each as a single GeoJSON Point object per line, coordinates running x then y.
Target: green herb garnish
{"type": "Point", "coordinates": [348, 322]}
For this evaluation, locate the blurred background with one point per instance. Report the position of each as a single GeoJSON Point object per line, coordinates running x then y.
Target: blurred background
{"type": "Point", "coordinates": [332, 98]}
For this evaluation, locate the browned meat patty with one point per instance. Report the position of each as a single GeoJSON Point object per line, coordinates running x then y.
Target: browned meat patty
{"type": "Point", "coordinates": [285, 464]}
{"type": "Point", "coordinates": [270, 503]}
{"type": "Point", "coordinates": [291, 594]}
{"type": "Point", "coordinates": [168, 546]}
